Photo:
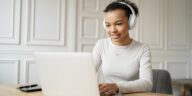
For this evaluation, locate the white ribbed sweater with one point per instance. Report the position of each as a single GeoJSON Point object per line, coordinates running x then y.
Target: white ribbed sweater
{"type": "Point", "coordinates": [127, 66]}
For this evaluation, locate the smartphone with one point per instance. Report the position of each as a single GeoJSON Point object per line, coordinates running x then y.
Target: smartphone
{"type": "Point", "coordinates": [31, 89]}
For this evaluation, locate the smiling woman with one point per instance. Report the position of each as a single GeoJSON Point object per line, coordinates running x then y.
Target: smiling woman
{"type": "Point", "coordinates": [125, 64]}
{"type": "Point", "coordinates": [118, 19]}
{"type": "Point", "coordinates": [116, 27]}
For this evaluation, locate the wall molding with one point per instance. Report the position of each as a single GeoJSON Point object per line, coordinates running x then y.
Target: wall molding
{"type": "Point", "coordinates": [86, 47]}
{"type": "Point", "coordinates": [72, 21]}
{"type": "Point", "coordinates": [29, 64]}
{"type": "Point", "coordinates": [60, 32]}
{"type": "Point", "coordinates": [17, 66]}
{"type": "Point", "coordinates": [94, 3]}
{"type": "Point", "coordinates": [182, 66]}
{"type": "Point", "coordinates": [158, 65]}
{"type": "Point", "coordinates": [89, 22]}
{"type": "Point", "coordinates": [172, 44]}
{"type": "Point", "coordinates": [14, 34]}
{"type": "Point", "coordinates": [157, 43]}
{"type": "Point", "coordinates": [84, 34]}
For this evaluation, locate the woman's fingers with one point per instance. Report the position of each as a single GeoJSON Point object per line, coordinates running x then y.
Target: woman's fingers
{"type": "Point", "coordinates": [103, 88]}
{"type": "Point", "coordinates": [108, 89]}
{"type": "Point", "coordinates": [109, 93]}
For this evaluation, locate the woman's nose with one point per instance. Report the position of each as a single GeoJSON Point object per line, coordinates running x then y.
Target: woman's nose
{"type": "Point", "coordinates": [113, 29]}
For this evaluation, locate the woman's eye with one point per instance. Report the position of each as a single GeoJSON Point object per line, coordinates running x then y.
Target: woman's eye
{"type": "Point", "coordinates": [107, 25]}
{"type": "Point", "coordinates": [119, 23]}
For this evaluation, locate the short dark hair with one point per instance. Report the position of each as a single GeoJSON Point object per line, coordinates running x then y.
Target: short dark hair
{"type": "Point", "coordinates": [116, 5]}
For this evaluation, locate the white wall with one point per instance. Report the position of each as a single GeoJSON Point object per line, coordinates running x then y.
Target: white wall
{"type": "Point", "coordinates": [167, 32]}
{"type": "Point", "coordinates": [191, 35]}
{"type": "Point", "coordinates": [191, 38]}
{"type": "Point", "coordinates": [166, 28]}
{"type": "Point", "coordinates": [30, 26]}
{"type": "Point", "coordinates": [75, 25]}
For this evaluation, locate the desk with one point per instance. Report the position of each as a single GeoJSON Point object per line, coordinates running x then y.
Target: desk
{"type": "Point", "coordinates": [12, 90]}
{"type": "Point", "coordinates": [147, 94]}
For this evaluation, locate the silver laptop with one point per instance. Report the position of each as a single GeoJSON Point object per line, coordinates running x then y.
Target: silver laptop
{"type": "Point", "coordinates": [67, 74]}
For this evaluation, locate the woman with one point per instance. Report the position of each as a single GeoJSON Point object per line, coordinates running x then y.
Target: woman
{"type": "Point", "coordinates": [124, 63]}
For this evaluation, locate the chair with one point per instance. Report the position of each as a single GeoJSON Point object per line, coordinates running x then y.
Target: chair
{"type": "Point", "coordinates": [161, 82]}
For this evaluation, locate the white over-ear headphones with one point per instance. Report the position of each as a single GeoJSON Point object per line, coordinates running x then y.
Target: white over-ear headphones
{"type": "Point", "coordinates": [132, 18]}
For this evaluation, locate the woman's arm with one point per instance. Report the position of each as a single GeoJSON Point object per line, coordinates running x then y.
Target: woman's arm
{"type": "Point", "coordinates": [144, 83]}
{"type": "Point", "coordinates": [97, 55]}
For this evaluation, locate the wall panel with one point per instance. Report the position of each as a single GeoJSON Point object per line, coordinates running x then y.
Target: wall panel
{"type": "Point", "coordinates": [90, 5]}
{"type": "Point", "coordinates": [158, 65]}
{"type": "Point", "coordinates": [29, 26]}
{"type": "Point", "coordinates": [46, 22]}
{"type": "Point", "coordinates": [90, 28]}
{"type": "Point", "coordinates": [151, 23]}
{"type": "Point", "coordinates": [179, 69]}
{"type": "Point", "coordinates": [31, 72]}
{"type": "Point", "coordinates": [87, 47]}
{"type": "Point", "coordinates": [178, 25]}
{"type": "Point", "coordinates": [89, 23]}
{"type": "Point", "coordinates": [9, 71]}
{"type": "Point", "coordinates": [10, 21]}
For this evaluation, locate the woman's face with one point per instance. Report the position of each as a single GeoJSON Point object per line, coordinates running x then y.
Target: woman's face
{"type": "Point", "coordinates": [117, 26]}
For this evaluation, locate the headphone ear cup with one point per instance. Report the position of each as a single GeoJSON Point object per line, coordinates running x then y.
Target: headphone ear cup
{"type": "Point", "coordinates": [132, 21]}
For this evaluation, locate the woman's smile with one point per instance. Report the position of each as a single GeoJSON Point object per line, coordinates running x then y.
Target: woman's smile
{"type": "Point", "coordinates": [115, 36]}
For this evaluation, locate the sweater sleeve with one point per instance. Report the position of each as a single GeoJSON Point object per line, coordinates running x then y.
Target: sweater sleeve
{"type": "Point", "coordinates": [144, 83]}
{"type": "Point", "coordinates": [97, 55]}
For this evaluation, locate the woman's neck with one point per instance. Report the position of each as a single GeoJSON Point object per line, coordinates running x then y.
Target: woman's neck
{"type": "Point", "coordinates": [124, 42]}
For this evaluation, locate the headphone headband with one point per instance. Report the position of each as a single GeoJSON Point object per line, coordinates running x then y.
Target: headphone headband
{"type": "Point", "coordinates": [133, 12]}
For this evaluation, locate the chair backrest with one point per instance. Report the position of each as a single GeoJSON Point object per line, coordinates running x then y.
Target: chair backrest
{"type": "Point", "coordinates": [161, 82]}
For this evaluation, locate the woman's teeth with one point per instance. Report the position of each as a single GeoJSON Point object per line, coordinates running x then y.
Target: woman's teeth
{"type": "Point", "coordinates": [115, 36]}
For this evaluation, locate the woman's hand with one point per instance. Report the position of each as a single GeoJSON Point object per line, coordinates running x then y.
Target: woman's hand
{"type": "Point", "coordinates": [108, 89]}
